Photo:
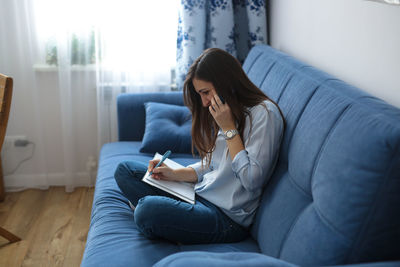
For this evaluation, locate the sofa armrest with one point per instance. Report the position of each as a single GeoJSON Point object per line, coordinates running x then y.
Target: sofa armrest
{"type": "Point", "coordinates": [131, 112]}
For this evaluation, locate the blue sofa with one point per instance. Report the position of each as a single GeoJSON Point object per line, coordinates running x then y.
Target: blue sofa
{"type": "Point", "coordinates": [334, 197]}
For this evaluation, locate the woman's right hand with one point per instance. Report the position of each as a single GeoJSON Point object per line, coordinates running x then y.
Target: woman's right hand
{"type": "Point", "coordinates": [161, 173]}
{"type": "Point", "coordinates": [166, 173]}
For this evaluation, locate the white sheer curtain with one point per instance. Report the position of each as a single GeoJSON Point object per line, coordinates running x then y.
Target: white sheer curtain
{"type": "Point", "coordinates": [76, 57]}
{"type": "Point", "coordinates": [140, 60]}
{"type": "Point", "coordinates": [18, 54]}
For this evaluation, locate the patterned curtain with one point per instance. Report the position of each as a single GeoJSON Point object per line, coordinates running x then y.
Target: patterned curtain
{"type": "Point", "coordinates": [232, 25]}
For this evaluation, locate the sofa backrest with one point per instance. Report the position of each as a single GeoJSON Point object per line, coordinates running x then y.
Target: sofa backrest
{"type": "Point", "coordinates": [334, 197]}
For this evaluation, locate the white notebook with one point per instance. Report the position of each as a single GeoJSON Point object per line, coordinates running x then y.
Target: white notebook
{"type": "Point", "coordinates": [184, 191]}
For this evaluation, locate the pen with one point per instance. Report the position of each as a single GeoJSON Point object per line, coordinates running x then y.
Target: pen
{"type": "Point", "coordinates": [166, 155]}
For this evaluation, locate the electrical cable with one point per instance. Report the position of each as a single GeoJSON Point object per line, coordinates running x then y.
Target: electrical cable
{"type": "Point", "coordinates": [26, 159]}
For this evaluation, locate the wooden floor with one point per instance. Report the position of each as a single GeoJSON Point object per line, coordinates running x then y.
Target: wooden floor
{"type": "Point", "coordinates": [52, 224]}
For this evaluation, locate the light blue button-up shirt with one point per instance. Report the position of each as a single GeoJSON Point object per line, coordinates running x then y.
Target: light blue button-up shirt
{"type": "Point", "coordinates": [236, 186]}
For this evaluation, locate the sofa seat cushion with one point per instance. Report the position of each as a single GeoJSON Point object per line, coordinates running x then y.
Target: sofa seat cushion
{"type": "Point", "coordinates": [131, 149]}
{"type": "Point", "coordinates": [233, 259]}
{"type": "Point", "coordinates": [197, 259]}
{"type": "Point", "coordinates": [113, 236]}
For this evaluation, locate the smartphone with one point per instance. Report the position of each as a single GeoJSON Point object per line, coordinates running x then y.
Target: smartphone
{"type": "Point", "coordinates": [222, 99]}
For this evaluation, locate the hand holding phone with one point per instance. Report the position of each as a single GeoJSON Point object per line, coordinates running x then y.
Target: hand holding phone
{"type": "Point", "coordinates": [222, 99]}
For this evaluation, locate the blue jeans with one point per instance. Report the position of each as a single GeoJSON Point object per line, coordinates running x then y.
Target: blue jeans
{"type": "Point", "coordinates": [159, 214]}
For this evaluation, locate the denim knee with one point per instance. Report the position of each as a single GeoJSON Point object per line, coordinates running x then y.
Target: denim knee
{"type": "Point", "coordinates": [155, 213]}
{"type": "Point", "coordinates": [145, 215]}
{"type": "Point", "coordinates": [126, 170]}
{"type": "Point", "coordinates": [122, 170]}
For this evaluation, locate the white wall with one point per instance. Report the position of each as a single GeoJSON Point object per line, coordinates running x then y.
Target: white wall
{"type": "Point", "coordinates": [357, 41]}
{"type": "Point", "coordinates": [41, 124]}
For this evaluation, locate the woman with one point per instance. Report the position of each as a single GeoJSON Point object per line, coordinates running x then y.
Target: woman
{"type": "Point", "coordinates": [237, 131]}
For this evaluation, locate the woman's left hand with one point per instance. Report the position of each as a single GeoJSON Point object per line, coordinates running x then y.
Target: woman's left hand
{"type": "Point", "coordinates": [222, 114]}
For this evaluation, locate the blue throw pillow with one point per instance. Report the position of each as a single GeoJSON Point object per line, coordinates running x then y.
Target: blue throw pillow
{"type": "Point", "coordinates": [168, 127]}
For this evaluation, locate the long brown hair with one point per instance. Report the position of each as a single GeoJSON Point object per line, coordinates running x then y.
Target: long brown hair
{"type": "Point", "coordinates": [231, 82]}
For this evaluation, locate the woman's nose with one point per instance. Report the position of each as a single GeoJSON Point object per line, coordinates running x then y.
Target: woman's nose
{"type": "Point", "coordinates": [206, 101]}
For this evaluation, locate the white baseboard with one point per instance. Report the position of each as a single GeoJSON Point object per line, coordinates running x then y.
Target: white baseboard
{"type": "Point", "coordinates": [18, 182]}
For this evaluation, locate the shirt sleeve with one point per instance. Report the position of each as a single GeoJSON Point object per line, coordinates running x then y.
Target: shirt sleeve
{"type": "Point", "coordinates": [255, 163]}
{"type": "Point", "coordinates": [199, 169]}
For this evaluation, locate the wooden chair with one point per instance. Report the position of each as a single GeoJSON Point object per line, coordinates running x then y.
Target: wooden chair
{"type": "Point", "coordinates": [6, 85]}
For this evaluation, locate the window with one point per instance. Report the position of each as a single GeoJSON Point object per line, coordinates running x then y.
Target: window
{"type": "Point", "coordinates": [115, 33]}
